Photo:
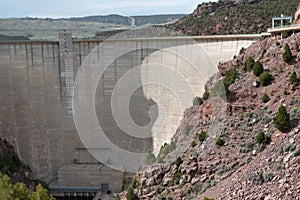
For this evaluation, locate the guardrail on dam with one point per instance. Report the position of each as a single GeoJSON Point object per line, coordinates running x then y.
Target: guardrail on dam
{"type": "Point", "coordinates": [37, 100]}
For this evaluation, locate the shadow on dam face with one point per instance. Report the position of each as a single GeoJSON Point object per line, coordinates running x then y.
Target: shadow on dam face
{"type": "Point", "coordinates": [143, 111]}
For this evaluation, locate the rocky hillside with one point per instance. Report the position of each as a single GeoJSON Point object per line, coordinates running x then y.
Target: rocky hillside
{"type": "Point", "coordinates": [10, 163]}
{"type": "Point", "coordinates": [128, 21]}
{"type": "Point", "coordinates": [12, 166]}
{"type": "Point", "coordinates": [234, 17]}
{"type": "Point", "coordinates": [243, 142]}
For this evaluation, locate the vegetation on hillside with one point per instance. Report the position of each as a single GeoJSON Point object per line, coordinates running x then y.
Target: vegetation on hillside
{"type": "Point", "coordinates": [18, 191]}
{"type": "Point", "coordinates": [282, 119]}
{"type": "Point", "coordinates": [234, 17]}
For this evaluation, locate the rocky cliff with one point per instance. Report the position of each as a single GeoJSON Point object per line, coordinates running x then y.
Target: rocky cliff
{"type": "Point", "coordinates": [229, 147]}
{"type": "Point", "coordinates": [234, 17]}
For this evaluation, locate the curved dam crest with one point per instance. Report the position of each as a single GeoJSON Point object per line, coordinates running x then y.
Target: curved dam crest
{"type": "Point", "coordinates": [36, 97]}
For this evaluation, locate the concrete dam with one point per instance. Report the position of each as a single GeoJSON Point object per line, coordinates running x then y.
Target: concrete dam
{"type": "Point", "coordinates": [86, 112]}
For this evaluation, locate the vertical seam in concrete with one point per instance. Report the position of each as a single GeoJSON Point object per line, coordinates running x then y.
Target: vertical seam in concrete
{"type": "Point", "coordinates": [31, 50]}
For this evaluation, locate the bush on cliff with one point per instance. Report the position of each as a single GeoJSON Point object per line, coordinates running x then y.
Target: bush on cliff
{"type": "Point", "coordinates": [265, 98]}
{"type": "Point", "coordinates": [282, 119]}
{"type": "Point", "coordinates": [258, 68]}
{"type": "Point", "coordinates": [130, 194]}
{"type": "Point", "coordinates": [197, 101]}
{"type": "Point", "coordinates": [220, 142]}
{"type": "Point", "coordinates": [178, 161]}
{"type": "Point", "coordinates": [265, 78]}
{"type": "Point", "coordinates": [249, 63]}
{"type": "Point", "coordinates": [287, 54]}
{"type": "Point", "coordinates": [230, 76]}
{"type": "Point", "coordinates": [262, 138]}
{"type": "Point", "coordinates": [8, 191]}
{"type": "Point", "coordinates": [202, 136]}
{"type": "Point", "coordinates": [293, 78]}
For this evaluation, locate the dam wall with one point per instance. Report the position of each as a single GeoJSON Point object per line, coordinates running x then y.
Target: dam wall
{"type": "Point", "coordinates": [37, 102]}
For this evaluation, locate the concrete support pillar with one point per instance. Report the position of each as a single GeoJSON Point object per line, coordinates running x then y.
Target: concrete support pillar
{"type": "Point", "coordinates": [67, 72]}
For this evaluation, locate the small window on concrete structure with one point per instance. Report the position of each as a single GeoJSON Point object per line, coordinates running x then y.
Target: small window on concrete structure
{"type": "Point", "coordinates": [104, 188]}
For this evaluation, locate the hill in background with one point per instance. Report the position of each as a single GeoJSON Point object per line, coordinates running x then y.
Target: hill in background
{"type": "Point", "coordinates": [234, 17]}
{"type": "Point", "coordinates": [82, 27]}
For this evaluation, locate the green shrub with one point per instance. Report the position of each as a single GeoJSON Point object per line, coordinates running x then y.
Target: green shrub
{"type": "Point", "coordinates": [177, 177]}
{"type": "Point", "coordinates": [197, 101]}
{"type": "Point", "coordinates": [249, 63]}
{"type": "Point", "coordinates": [265, 98]}
{"type": "Point", "coordinates": [202, 136]}
{"type": "Point", "coordinates": [282, 119]}
{"type": "Point", "coordinates": [207, 198]}
{"type": "Point", "coordinates": [265, 78]}
{"type": "Point", "coordinates": [293, 78]}
{"type": "Point", "coordinates": [10, 163]}
{"type": "Point", "coordinates": [284, 34]}
{"type": "Point", "coordinates": [287, 54]}
{"type": "Point", "coordinates": [205, 96]}
{"type": "Point", "coordinates": [130, 194]}
{"type": "Point", "coordinates": [220, 142]}
{"type": "Point", "coordinates": [230, 76]}
{"type": "Point", "coordinates": [135, 184]}
{"type": "Point", "coordinates": [178, 161]}
{"type": "Point", "coordinates": [263, 53]}
{"type": "Point", "coordinates": [170, 183]}
{"type": "Point", "coordinates": [193, 144]}
{"type": "Point", "coordinates": [261, 138]}
{"type": "Point", "coordinates": [165, 150]}
{"type": "Point", "coordinates": [10, 191]}
{"type": "Point", "coordinates": [258, 68]}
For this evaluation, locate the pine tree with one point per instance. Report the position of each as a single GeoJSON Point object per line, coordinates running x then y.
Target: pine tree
{"type": "Point", "coordinates": [258, 68]}
{"type": "Point", "coordinates": [265, 78]}
{"type": "Point", "coordinates": [293, 78]}
{"type": "Point", "coordinates": [249, 63]}
{"type": "Point", "coordinates": [282, 119]}
{"type": "Point", "coordinates": [287, 54]}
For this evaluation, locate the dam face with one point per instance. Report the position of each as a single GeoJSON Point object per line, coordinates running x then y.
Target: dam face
{"type": "Point", "coordinates": [41, 98]}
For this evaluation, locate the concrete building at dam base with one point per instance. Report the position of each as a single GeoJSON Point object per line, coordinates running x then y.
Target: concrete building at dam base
{"type": "Point", "coordinates": [44, 86]}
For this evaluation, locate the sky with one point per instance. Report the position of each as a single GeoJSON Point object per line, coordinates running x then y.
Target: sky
{"type": "Point", "coordinates": [76, 8]}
